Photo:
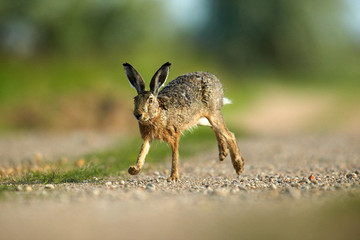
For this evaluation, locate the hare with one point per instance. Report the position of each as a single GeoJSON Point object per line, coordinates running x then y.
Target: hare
{"type": "Point", "coordinates": [191, 99]}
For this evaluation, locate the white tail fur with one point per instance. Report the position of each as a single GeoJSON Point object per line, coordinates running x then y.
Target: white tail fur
{"type": "Point", "coordinates": [226, 101]}
{"type": "Point", "coordinates": [203, 122]}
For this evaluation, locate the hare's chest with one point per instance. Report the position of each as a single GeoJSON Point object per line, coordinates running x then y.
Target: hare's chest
{"type": "Point", "coordinates": [163, 133]}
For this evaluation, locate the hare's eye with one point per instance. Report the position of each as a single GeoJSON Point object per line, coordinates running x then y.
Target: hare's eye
{"type": "Point", "coordinates": [150, 100]}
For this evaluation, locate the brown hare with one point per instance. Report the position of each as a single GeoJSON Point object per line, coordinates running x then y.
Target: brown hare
{"type": "Point", "coordinates": [191, 99]}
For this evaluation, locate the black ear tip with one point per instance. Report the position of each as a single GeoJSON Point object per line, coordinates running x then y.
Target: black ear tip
{"type": "Point", "coordinates": [167, 64]}
{"type": "Point", "coordinates": [126, 65]}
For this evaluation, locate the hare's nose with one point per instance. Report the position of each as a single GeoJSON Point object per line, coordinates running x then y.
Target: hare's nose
{"type": "Point", "coordinates": [138, 115]}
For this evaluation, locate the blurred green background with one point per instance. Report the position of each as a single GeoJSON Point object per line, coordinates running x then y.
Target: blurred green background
{"type": "Point", "coordinates": [288, 66]}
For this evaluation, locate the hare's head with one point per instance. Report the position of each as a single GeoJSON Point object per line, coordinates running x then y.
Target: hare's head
{"type": "Point", "coordinates": [146, 102]}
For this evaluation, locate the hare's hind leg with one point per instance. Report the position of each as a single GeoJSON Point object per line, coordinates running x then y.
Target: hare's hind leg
{"type": "Point", "coordinates": [133, 170]}
{"type": "Point", "coordinates": [222, 144]}
{"type": "Point", "coordinates": [224, 135]}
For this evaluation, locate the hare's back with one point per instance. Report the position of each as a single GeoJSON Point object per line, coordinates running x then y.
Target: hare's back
{"type": "Point", "coordinates": [193, 89]}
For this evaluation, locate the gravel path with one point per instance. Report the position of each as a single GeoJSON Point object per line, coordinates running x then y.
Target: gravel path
{"type": "Point", "coordinates": [287, 185]}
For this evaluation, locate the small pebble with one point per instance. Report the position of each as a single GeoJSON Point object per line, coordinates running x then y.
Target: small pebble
{"type": "Point", "coordinates": [234, 190]}
{"type": "Point", "coordinates": [108, 183]}
{"type": "Point", "coordinates": [273, 187]}
{"type": "Point", "coordinates": [96, 192]}
{"type": "Point", "coordinates": [28, 189]}
{"type": "Point", "coordinates": [242, 188]}
{"type": "Point", "coordinates": [304, 187]}
{"type": "Point", "coordinates": [223, 192]}
{"type": "Point", "coordinates": [311, 177]}
{"type": "Point", "coordinates": [209, 190]}
{"type": "Point", "coordinates": [351, 175]}
{"type": "Point", "coordinates": [150, 187]}
{"type": "Point", "coordinates": [305, 180]}
{"type": "Point", "coordinates": [19, 188]}
{"type": "Point", "coordinates": [122, 182]}
{"type": "Point", "coordinates": [49, 186]}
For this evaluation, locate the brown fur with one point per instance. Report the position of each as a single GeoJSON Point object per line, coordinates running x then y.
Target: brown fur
{"type": "Point", "coordinates": [165, 114]}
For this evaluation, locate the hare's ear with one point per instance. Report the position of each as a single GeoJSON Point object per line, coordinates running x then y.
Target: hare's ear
{"type": "Point", "coordinates": [134, 78]}
{"type": "Point", "coordinates": [159, 78]}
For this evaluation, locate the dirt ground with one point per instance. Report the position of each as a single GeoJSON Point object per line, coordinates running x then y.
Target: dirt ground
{"type": "Point", "coordinates": [293, 187]}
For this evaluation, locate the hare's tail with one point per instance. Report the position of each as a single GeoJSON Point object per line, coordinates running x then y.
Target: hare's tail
{"type": "Point", "coordinates": [226, 101]}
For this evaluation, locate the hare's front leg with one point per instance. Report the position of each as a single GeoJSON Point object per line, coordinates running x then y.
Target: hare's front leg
{"type": "Point", "coordinates": [133, 170]}
{"type": "Point", "coordinates": [175, 156]}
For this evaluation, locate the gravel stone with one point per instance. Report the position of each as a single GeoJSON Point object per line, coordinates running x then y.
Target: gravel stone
{"type": "Point", "coordinates": [304, 187]}
{"type": "Point", "coordinates": [49, 186]}
{"type": "Point", "coordinates": [351, 175]}
{"type": "Point", "coordinates": [273, 187]}
{"type": "Point", "coordinates": [150, 187]}
{"type": "Point", "coordinates": [28, 188]}
{"type": "Point", "coordinates": [223, 192]}
{"type": "Point", "coordinates": [96, 192]}
{"type": "Point", "coordinates": [242, 188]}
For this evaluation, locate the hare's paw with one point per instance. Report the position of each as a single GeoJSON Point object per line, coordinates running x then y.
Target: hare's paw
{"type": "Point", "coordinates": [239, 165]}
{"type": "Point", "coordinates": [173, 178]}
{"type": "Point", "coordinates": [223, 150]}
{"type": "Point", "coordinates": [223, 155]}
{"type": "Point", "coordinates": [133, 170]}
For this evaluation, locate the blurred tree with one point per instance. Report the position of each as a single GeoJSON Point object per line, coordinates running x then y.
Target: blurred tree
{"type": "Point", "coordinates": [276, 33]}
{"type": "Point", "coordinates": [31, 27]}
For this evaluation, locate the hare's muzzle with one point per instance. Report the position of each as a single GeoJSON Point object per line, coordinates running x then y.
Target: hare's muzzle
{"type": "Point", "coordinates": [138, 115]}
